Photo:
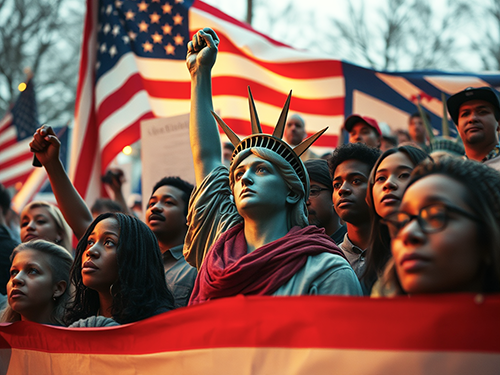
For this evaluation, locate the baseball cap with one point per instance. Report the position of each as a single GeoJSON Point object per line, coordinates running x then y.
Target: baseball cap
{"type": "Point", "coordinates": [486, 93]}
{"type": "Point", "coordinates": [354, 119]}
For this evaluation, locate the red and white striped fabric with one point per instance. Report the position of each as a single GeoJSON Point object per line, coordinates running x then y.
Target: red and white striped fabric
{"type": "Point", "coordinates": [274, 335]}
{"type": "Point", "coordinates": [109, 111]}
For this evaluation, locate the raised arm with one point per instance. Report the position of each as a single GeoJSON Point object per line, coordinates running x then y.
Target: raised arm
{"type": "Point", "coordinates": [46, 146]}
{"type": "Point", "coordinates": [203, 131]}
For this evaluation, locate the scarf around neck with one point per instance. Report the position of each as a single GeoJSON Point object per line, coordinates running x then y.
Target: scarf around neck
{"type": "Point", "coordinates": [229, 270]}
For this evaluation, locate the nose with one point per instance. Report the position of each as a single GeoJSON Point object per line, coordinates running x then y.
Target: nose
{"type": "Point", "coordinates": [18, 279]}
{"type": "Point", "coordinates": [92, 252]}
{"type": "Point", "coordinates": [246, 179]}
{"type": "Point", "coordinates": [31, 225]}
{"type": "Point", "coordinates": [155, 208]}
{"type": "Point", "coordinates": [411, 234]}
{"type": "Point", "coordinates": [344, 189]}
{"type": "Point", "coordinates": [390, 184]}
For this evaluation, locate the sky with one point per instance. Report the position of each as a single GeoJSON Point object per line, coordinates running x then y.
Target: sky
{"type": "Point", "coordinates": [304, 29]}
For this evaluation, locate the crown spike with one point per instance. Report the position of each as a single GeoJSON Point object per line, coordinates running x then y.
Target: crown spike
{"type": "Point", "coordinates": [235, 140]}
{"type": "Point", "coordinates": [256, 129]}
{"type": "Point", "coordinates": [280, 126]}
{"type": "Point", "coordinates": [302, 147]}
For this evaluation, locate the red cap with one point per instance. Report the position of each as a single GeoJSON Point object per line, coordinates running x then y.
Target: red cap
{"type": "Point", "coordinates": [354, 119]}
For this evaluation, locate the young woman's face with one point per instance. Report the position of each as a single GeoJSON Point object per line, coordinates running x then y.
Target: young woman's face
{"type": "Point", "coordinates": [391, 178]}
{"type": "Point", "coordinates": [99, 261]}
{"type": "Point", "coordinates": [31, 287]}
{"type": "Point", "coordinates": [38, 224]}
{"type": "Point", "coordinates": [440, 253]}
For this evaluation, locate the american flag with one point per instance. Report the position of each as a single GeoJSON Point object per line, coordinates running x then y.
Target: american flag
{"type": "Point", "coordinates": [16, 130]}
{"type": "Point", "coordinates": [133, 68]}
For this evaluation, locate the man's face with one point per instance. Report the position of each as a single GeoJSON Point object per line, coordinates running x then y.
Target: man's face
{"type": "Point", "coordinates": [165, 213]}
{"type": "Point", "coordinates": [362, 133]}
{"type": "Point", "coordinates": [320, 205]}
{"type": "Point", "coordinates": [350, 182]}
{"type": "Point", "coordinates": [477, 124]}
{"type": "Point", "coordinates": [295, 131]}
{"type": "Point", "coordinates": [417, 130]}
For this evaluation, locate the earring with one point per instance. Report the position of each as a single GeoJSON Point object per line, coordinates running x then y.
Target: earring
{"type": "Point", "coordinates": [57, 241]}
{"type": "Point", "coordinates": [54, 298]}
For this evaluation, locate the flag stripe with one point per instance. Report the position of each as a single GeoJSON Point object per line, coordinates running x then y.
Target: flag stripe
{"type": "Point", "coordinates": [445, 323]}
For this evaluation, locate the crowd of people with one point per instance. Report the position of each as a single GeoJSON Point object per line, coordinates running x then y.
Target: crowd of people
{"type": "Point", "coordinates": [383, 216]}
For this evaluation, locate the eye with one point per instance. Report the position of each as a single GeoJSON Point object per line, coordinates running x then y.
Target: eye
{"type": "Point", "coordinates": [261, 169]}
{"type": "Point", "coordinates": [404, 175]}
{"type": "Point", "coordinates": [109, 243]}
{"type": "Point", "coordinates": [33, 271]}
{"type": "Point", "coordinates": [336, 186]}
{"type": "Point", "coordinates": [13, 272]}
{"type": "Point", "coordinates": [24, 224]}
{"type": "Point", "coordinates": [90, 242]}
{"type": "Point", "coordinates": [238, 176]}
{"type": "Point", "coordinates": [356, 181]}
{"type": "Point", "coordinates": [380, 178]}
{"type": "Point", "coordinates": [151, 204]}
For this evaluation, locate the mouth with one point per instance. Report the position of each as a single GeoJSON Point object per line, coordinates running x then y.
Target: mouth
{"type": "Point", "coordinates": [246, 192]}
{"type": "Point", "coordinates": [343, 203]}
{"type": "Point", "coordinates": [413, 262]}
{"type": "Point", "coordinates": [390, 199]}
{"type": "Point", "coordinates": [16, 293]}
{"type": "Point", "coordinates": [473, 129]}
{"type": "Point", "coordinates": [155, 218]}
{"type": "Point", "coordinates": [89, 266]}
{"type": "Point", "coordinates": [30, 237]}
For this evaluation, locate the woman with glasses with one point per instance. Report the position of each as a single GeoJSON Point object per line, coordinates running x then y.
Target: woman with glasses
{"type": "Point", "coordinates": [386, 185]}
{"type": "Point", "coordinates": [446, 233]}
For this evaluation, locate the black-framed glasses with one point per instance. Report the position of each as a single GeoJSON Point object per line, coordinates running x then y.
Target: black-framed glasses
{"type": "Point", "coordinates": [431, 219]}
{"type": "Point", "coordinates": [315, 191]}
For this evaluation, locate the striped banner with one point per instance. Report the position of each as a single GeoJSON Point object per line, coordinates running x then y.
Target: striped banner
{"type": "Point", "coordinates": [274, 335]}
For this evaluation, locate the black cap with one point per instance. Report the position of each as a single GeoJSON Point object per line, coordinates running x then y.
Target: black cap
{"type": "Point", "coordinates": [487, 94]}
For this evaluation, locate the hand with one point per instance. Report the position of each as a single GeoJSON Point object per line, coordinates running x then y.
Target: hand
{"type": "Point", "coordinates": [202, 50]}
{"type": "Point", "coordinates": [45, 145]}
{"type": "Point", "coordinates": [115, 180]}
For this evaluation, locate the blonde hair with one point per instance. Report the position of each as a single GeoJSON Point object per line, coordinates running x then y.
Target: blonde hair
{"type": "Point", "coordinates": [297, 212]}
{"type": "Point", "coordinates": [62, 227]}
{"type": "Point", "coordinates": [60, 261]}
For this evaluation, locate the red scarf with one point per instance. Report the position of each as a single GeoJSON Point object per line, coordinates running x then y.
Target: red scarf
{"type": "Point", "coordinates": [228, 270]}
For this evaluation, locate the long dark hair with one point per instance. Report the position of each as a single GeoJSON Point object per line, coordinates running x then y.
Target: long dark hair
{"type": "Point", "coordinates": [379, 248]}
{"type": "Point", "coordinates": [140, 291]}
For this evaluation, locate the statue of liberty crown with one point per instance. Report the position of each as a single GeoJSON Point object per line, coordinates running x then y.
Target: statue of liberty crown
{"type": "Point", "coordinates": [272, 142]}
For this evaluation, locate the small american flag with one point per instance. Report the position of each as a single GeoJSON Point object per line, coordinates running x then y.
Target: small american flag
{"type": "Point", "coordinates": [16, 130]}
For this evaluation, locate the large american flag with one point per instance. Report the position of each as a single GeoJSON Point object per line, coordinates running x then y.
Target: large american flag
{"type": "Point", "coordinates": [16, 130]}
{"type": "Point", "coordinates": [133, 68]}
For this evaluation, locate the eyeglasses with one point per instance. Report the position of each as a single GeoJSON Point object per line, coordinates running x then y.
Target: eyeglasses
{"type": "Point", "coordinates": [315, 191]}
{"type": "Point", "coordinates": [431, 219]}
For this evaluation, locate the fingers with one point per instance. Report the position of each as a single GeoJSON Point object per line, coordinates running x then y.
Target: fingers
{"type": "Point", "coordinates": [203, 38]}
{"type": "Point", "coordinates": [43, 138]}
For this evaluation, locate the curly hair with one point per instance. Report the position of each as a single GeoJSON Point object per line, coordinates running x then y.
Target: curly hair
{"type": "Point", "coordinates": [140, 291]}
{"type": "Point", "coordinates": [180, 184]}
{"type": "Point", "coordinates": [353, 151]}
{"type": "Point", "coordinates": [297, 212]}
{"type": "Point", "coordinates": [483, 186]}
{"type": "Point", "coordinates": [379, 248]}
{"type": "Point", "coordinates": [60, 261]}
{"type": "Point", "coordinates": [62, 226]}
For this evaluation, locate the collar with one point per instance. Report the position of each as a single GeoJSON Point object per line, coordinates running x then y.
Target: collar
{"type": "Point", "coordinates": [347, 245]}
{"type": "Point", "coordinates": [495, 152]}
{"type": "Point", "coordinates": [175, 252]}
